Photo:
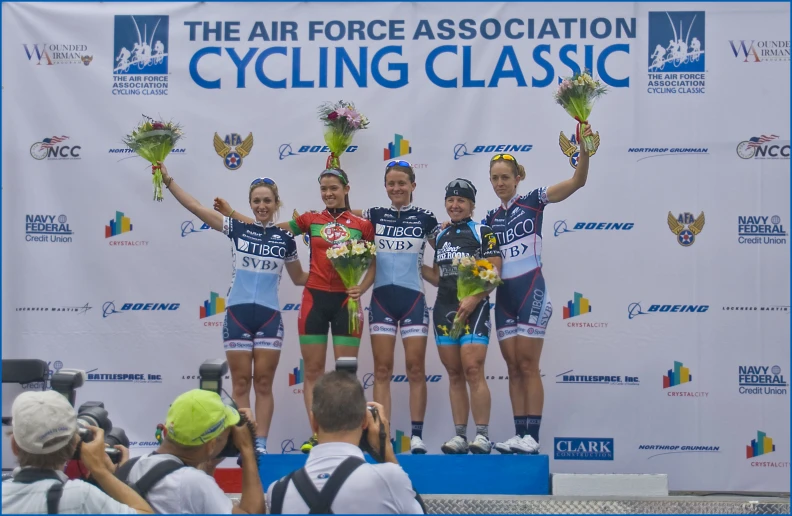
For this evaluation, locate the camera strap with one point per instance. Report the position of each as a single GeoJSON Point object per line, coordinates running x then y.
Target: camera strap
{"type": "Point", "coordinates": [54, 493]}
{"type": "Point", "coordinates": [318, 502]}
{"type": "Point", "coordinates": [150, 478]}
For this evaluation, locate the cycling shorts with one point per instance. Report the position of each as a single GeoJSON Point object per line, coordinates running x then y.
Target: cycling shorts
{"type": "Point", "coordinates": [477, 329]}
{"type": "Point", "coordinates": [249, 326]}
{"type": "Point", "coordinates": [393, 306]}
{"type": "Point", "coordinates": [320, 310]}
{"type": "Point", "coordinates": [522, 307]}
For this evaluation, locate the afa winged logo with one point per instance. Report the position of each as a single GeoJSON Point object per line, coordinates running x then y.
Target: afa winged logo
{"type": "Point", "coordinates": [306, 238]}
{"type": "Point", "coordinates": [233, 149]}
{"type": "Point", "coordinates": [571, 149]}
{"type": "Point", "coordinates": [685, 227]}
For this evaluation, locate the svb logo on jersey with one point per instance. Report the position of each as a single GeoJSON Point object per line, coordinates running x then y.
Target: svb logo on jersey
{"type": "Point", "coordinates": [233, 149]}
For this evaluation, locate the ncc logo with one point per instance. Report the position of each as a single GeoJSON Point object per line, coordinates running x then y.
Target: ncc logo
{"type": "Point", "coordinates": [50, 148]}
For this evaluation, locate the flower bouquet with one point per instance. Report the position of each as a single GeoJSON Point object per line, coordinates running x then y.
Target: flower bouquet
{"type": "Point", "coordinates": [341, 121]}
{"type": "Point", "coordinates": [473, 277]}
{"type": "Point", "coordinates": [153, 141]}
{"type": "Point", "coordinates": [351, 259]}
{"type": "Point", "coordinates": [576, 95]}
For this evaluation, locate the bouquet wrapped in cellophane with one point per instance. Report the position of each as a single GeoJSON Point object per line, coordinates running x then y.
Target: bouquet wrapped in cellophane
{"type": "Point", "coordinates": [351, 259]}
{"type": "Point", "coordinates": [341, 121]}
{"type": "Point", "coordinates": [576, 95]}
{"type": "Point", "coordinates": [153, 141]}
{"type": "Point", "coordinates": [473, 277]}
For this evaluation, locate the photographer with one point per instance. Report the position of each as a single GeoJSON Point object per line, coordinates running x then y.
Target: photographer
{"type": "Point", "coordinates": [336, 478]}
{"type": "Point", "coordinates": [44, 438]}
{"type": "Point", "coordinates": [177, 477]}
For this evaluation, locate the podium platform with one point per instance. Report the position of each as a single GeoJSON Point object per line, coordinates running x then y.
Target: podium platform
{"type": "Point", "coordinates": [447, 474]}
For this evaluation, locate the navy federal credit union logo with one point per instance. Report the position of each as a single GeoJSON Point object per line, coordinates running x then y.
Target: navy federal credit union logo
{"type": "Point", "coordinates": [676, 52]}
{"type": "Point", "coordinates": [140, 54]}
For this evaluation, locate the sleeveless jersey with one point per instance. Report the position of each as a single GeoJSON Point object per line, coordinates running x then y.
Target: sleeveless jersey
{"type": "Point", "coordinates": [259, 255]}
{"type": "Point", "coordinates": [326, 231]}
{"type": "Point", "coordinates": [518, 227]}
{"type": "Point", "coordinates": [400, 236]}
{"type": "Point", "coordinates": [458, 240]}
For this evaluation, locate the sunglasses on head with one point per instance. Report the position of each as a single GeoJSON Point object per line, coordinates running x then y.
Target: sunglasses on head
{"type": "Point", "coordinates": [333, 172]}
{"type": "Point", "coordinates": [265, 180]}
{"type": "Point", "coordinates": [461, 183]}
{"type": "Point", "coordinates": [506, 157]}
{"type": "Point", "coordinates": [399, 163]}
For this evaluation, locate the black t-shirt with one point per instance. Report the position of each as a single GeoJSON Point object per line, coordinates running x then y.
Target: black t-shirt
{"type": "Point", "coordinates": [461, 239]}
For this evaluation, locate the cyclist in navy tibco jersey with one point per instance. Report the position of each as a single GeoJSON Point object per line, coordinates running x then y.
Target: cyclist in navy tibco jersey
{"type": "Point", "coordinates": [398, 300]}
{"type": "Point", "coordinates": [252, 330]}
{"type": "Point", "coordinates": [463, 358]}
{"type": "Point", "coordinates": [522, 304]}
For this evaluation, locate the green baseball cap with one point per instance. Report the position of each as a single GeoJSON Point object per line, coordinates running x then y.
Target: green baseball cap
{"type": "Point", "coordinates": [198, 416]}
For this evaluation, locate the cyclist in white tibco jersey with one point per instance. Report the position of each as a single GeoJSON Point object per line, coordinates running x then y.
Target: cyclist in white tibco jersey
{"type": "Point", "coordinates": [522, 304]}
{"type": "Point", "coordinates": [401, 233]}
{"type": "Point", "coordinates": [253, 329]}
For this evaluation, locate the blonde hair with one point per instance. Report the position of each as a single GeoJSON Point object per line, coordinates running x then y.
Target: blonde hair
{"type": "Point", "coordinates": [274, 189]}
{"type": "Point", "coordinates": [518, 170]}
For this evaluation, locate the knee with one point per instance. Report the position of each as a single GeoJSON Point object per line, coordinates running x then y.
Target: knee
{"type": "Point", "coordinates": [474, 373]}
{"type": "Point", "coordinates": [529, 367]}
{"type": "Point", "coordinates": [514, 370]}
{"type": "Point", "coordinates": [383, 371]}
{"type": "Point", "coordinates": [415, 371]}
{"type": "Point", "coordinates": [455, 375]}
{"type": "Point", "coordinates": [262, 383]}
{"type": "Point", "coordinates": [313, 371]}
{"type": "Point", "coordinates": [241, 384]}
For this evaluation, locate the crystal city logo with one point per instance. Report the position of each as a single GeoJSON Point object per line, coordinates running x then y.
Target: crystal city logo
{"type": "Point", "coordinates": [759, 380]}
{"type": "Point", "coordinates": [766, 146]}
{"type": "Point", "coordinates": [140, 47]}
{"type": "Point", "coordinates": [583, 448]}
{"type": "Point", "coordinates": [560, 227]}
{"type": "Point", "coordinates": [233, 149]}
{"type": "Point", "coordinates": [685, 227]}
{"type": "Point", "coordinates": [579, 306]}
{"type": "Point", "coordinates": [762, 445]}
{"type": "Point", "coordinates": [757, 51]}
{"type": "Point", "coordinates": [117, 226]}
{"type": "Point", "coordinates": [57, 54]}
{"type": "Point", "coordinates": [634, 309]}
{"type": "Point", "coordinates": [285, 150]}
{"type": "Point", "coordinates": [680, 375]}
{"type": "Point", "coordinates": [657, 450]}
{"type": "Point", "coordinates": [56, 309]}
{"type": "Point", "coordinates": [188, 228]}
{"type": "Point", "coordinates": [123, 377]}
{"type": "Point", "coordinates": [215, 305]}
{"type": "Point", "coordinates": [571, 149]}
{"type": "Point", "coordinates": [368, 379]}
{"type": "Point", "coordinates": [461, 149]}
{"type": "Point", "coordinates": [296, 377]}
{"type": "Point", "coordinates": [575, 379]}
{"type": "Point", "coordinates": [50, 149]}
{"type": "Point", "coordinates": [658, 152]}
{"type": "Point", "coordinates": [109, 308]}
{"type": "Point", "coordinates": [678, 68]}
{"type": "Point", "coordinates": [760, 229]}
{"type": "Point", "coordinates": [47, 228]}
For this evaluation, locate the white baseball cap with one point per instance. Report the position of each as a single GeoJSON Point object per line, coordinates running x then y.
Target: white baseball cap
{"type": "Point", "coordinates": [39, 417]}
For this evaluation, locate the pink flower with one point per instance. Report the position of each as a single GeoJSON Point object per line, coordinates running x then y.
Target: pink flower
{"type": "Point", "coordinates": [333, 115]}
{"type": "Point", "coordinates": [158, 125]}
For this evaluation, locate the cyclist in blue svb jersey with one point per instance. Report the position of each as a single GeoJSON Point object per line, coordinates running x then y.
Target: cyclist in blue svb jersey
{"type": "Point", "coordinates": [522, 304]}
{"type": "Point", "coordinates": [253, 329]}
{"type": "Point", "coordinates": [464, 357]}
{"type": "Point", "coordinates": [398, 301]}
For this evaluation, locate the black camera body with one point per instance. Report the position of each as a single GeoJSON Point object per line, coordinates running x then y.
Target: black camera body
{"type": "Point", "coordinates": [212, 372]}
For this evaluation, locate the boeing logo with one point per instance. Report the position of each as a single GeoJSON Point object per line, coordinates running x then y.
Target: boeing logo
{"type": "Point", "coordinates": [109, 309]}
{"type": "Point", "coordinates": [286, 150]}
{"type": "Point", "coordinates": [461, 150]}
{"type": "Point", "coordinates": [287, 446]}
{"type": "Point", "coordinates": [560, 226]}
{"type": "Point", "coordinates": [634, 309]}
{"type": "Point", "coordinates": [187, 227]}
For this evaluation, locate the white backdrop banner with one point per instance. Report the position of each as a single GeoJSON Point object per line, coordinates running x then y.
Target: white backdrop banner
{"type": "Point", "coordinates": [671, 352]}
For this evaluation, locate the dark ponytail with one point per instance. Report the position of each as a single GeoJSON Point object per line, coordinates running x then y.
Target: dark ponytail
{"type": "Point", "coordinates": [407, 170]}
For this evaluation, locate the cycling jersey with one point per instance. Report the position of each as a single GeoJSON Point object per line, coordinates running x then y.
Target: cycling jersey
{"type": "Point", "coordinates": [458, 240]}
{"type": "Point", "coordinates": [400, 236]}
{"type": "Point", "coordinates": [325, 231]}
{"type": "Point", "coordinates": [518, 226]}
{"type": "Point", "coordinates": [259, 255]}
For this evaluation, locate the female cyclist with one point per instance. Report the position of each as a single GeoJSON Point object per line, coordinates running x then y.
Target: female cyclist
{"type": "Point", "coordinates": [324, 299]}
{"type": "Point", "coordinates": [464, 358]}
{"type": "Point", "coordinates": [522, 305]}
{"type": "Point", "coordinates": [252, 330]}
{"type": "Point", "coordinates": [398, 299]}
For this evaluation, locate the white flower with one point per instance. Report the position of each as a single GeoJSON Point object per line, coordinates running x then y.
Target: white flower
{"type": "Point", "coordinates": [358, 248]}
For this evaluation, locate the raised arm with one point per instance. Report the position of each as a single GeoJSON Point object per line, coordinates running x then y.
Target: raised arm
{"type": "Point", "coordinates": [223, 206]}
{"type": "Point", "coordinates": [564, 189]}
{"type": "Point", "coordinates": [212, 218]}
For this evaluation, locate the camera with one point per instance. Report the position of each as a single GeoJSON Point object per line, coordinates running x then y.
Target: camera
{"type": "Point", "coordinates": [90, 413]}
{"type": "Point", "coordinates": [212, 372]}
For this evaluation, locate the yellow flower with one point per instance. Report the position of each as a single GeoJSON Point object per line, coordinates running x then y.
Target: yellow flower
{"type": "Point", "coordinates": [475, 272]}
{"type": "Point", "coordinates": [485, 264]}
